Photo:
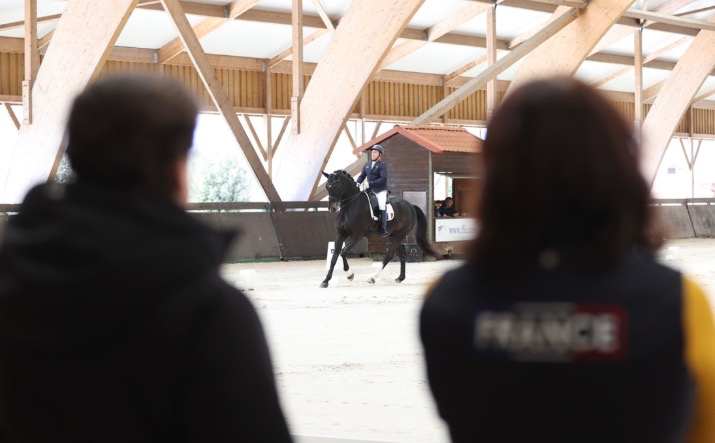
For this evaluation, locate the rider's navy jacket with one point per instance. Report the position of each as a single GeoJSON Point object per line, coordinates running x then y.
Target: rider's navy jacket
{"type": "Point", "coordinates": [564, 356]}
{"type": "Point", "coordinates": [376, 176]}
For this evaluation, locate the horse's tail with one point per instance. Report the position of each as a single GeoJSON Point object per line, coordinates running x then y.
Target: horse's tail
{"type": "Point", "coordinates": [421, 234]}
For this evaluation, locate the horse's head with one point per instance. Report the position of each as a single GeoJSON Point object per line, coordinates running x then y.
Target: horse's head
{"type": "Point", "coordinates": [339, 185]}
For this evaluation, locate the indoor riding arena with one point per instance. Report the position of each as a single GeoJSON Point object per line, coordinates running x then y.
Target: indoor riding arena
{"type": "Point", "coordinates": [292, 92]}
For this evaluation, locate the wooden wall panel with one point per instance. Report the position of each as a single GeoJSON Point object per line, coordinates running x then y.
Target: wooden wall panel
{"type": "Point", "coordinates": [703, 121]}
{"type": "Point", "coordinates": [389, 99]}
{"type": "Point", "coordinates": [12, 72]}
{"type": "Point", "coordinates": [408, 166]}
{"type": "Point", "coordinates": [627, 110]}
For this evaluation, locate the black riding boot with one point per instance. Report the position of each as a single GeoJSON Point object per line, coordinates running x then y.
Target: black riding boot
{"type": "Point", "coordinates": [384, 232]}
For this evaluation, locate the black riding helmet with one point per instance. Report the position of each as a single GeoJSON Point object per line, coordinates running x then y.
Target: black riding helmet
{"type": "Point", "coordinates": [378, 148]}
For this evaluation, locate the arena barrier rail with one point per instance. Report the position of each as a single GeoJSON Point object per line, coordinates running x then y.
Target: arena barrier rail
{"type": "Point", "coordinates": [307, 439]}
{"type": "Point", "coordinates": [285, 230]}
{"type": "Point", "coordinates": [686, 218]}
{"type": "Point", "coordinates": [295, 230]}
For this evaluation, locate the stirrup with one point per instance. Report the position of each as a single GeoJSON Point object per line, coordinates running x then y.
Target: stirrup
{"type": "Point", "coordinates": [384, 232]}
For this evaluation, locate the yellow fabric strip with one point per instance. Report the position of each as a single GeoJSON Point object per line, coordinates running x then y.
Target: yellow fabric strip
{"type": "Point", "coordinates": [700, 357]}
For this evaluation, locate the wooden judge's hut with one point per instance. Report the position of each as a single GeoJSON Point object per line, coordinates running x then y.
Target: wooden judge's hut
{"type": "Point", "coordinates": [419, 156]}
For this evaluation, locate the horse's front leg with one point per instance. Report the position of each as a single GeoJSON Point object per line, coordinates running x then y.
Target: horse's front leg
{"type": "Point", "coordinates": [347, 249]}
{"type": "Point", "coordinates": [333, 260]}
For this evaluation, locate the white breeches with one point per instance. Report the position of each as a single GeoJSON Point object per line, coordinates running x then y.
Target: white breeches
{"type": "Point", "coordinates": [381, 199]}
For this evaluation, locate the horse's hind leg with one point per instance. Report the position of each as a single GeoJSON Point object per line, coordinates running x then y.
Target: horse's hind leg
{"type": "Point", "coordinates": [333, 260]}
{"type": "Point", "coordinates": [401, 254]}
{"type": "Point", "coordinates": [388, 257]}
{"type": "Point", "coordinates": [347, 249]}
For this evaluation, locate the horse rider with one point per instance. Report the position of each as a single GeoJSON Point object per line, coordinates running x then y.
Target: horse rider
{"type": "Point", "coordinates": [376, 173]}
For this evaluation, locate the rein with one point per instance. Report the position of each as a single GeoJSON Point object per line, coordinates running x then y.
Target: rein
{"type": "Point", "coordinates": [350, 199]}
{"type": "Point", "coordinates": [343, 201]}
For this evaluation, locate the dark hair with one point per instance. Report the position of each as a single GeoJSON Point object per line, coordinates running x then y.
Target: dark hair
{"type": "Point", "coordinates": [448, 198]}
{"type": "Point", "coordinates": [126, 132]}
{"type": "Point", "coordinates": [561, 173]}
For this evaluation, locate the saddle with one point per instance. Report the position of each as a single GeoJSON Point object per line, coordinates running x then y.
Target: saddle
{"type": "Point", "coordinates": [375, 212]}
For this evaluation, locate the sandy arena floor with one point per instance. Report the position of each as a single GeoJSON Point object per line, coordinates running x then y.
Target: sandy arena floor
{"type": "Point", "coordinates": [348, 359]}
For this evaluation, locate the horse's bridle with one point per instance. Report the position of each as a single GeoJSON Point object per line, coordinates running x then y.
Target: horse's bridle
{"type": "Point", "coordinates": [342, 191]}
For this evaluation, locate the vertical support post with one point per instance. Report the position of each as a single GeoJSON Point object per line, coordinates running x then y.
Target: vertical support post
{"type": "Point", "coordinates": [430, 199]}
{"type": "Point", "coordinates": [268, 100]}
{"type": "Point", "coordinates": [297, 20]}
{"type": "Point", "coordinates": [32, 59]}
{"type": "Point", "coordinates": [638, 70]}
{"type": "Point", "coordinates": [491, 59]}
{"type": "Point", "coordinates": [362, 118]}
{"type": "Point", "coordinates": [692, 153]}
{"type": "Point", "coordinates": [692, 168]}
{"type": "Point", "coordinates": [443, 84]}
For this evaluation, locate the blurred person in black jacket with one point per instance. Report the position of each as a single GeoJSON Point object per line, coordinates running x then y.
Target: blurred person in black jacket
{"type": "Point", "coordinates": [115, 325]}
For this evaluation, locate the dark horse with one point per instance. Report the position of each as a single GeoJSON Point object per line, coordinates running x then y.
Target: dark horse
{"type": "Point", "coordinates": [355, 222]}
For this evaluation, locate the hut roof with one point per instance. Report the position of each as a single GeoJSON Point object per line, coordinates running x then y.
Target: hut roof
{"type": "Point", "coordinates": [438, 139]}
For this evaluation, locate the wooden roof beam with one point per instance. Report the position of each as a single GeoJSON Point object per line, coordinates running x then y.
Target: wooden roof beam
{"type": "Point", "coordinates": [656, 17]}
{"type": "Point", "coordinates": [710, 92]}
{"type": "Point", "coordinates": [205, 27]}
{"type": "Point", "coordinates": [464, 68]}
{"type": "Point", "coordinates": [329, 27]}
{"type": "Point", "coordinates": [44, 41]}
{"type": "Point", "coordinates": [324, 16]}
{"type": "Point", "coordinates": [675, 98]}
{"type": "Point", "coordinates": [288, 51]}
{"type": "Point", "coordinates": [578, 4]}
{"type": "Point", "coordinates": [563, 54]}
{"type": "Point", "coordinates": [12, 115]}
{"type": "Point", "coordinates": [21, 23]}
{"type": "Point", "coordinates": [617, 33]}
{"type": "Point", "coordinates": [652, 92]}
{"type": "Point", "coordinates": [335, 87]}
{"type": "Point", "coordinates": [492, 71]}
{"type": "Point", "coordinates": [695, 11]}
{"type": "Point", "coordinates": [218, 95]}
{"type": "Point", "coordinates": [435, 32]}
{"type": "Point", "coordinates": [654, 55]}
{"type": "Point", "coordinates": [209, 10]}
{"type": "Point", "coordinates": [87, 30]}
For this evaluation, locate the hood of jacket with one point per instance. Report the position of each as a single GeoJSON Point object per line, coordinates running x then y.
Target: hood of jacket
{"type": "Point", "coordinates": [79, 265]}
